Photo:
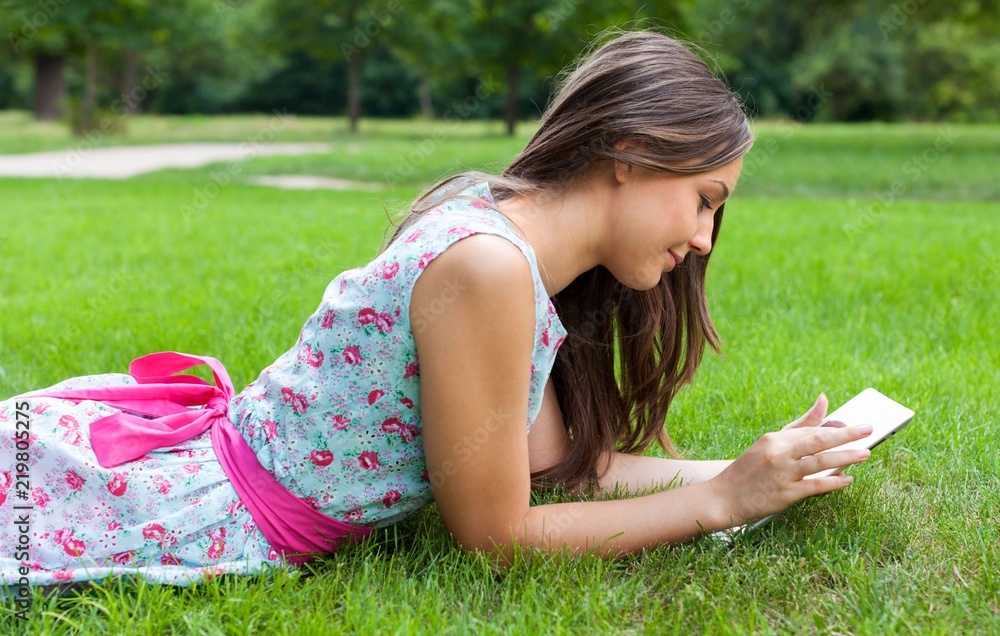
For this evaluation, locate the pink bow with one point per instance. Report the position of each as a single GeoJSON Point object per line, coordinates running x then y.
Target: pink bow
{"type": "Point", "coordinates": [160, 394]}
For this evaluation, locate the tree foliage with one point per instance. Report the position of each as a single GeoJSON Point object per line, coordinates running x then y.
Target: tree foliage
{"type": "Point", "coordinates": [865, 59]}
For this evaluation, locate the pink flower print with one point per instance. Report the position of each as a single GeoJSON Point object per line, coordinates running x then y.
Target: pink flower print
{"type": "Point", "coordinates": [62, 536]}
{"type": "Point", "coordinates": [270, 429]}
{"type": "Point", "coordinates": [162, 485]}
{"type": "Point", "coordinates": [407, 402]}
{"type": "Point", "coordinates": [311, 502]}
{"type": "Point", "coordinates": [366, 316]}
{"type": "Point", "coordinates": [310, 357]}
{"type": "Point", "coordinates": [321, 457]}
{"type": "Point", "coordinates": [339, 422]}
{"type": "Point", "coordinates": [392, 425]}
{"type": "Point", "coordinates": [273, 555]}
{"type": "Point", "coordinates": [391, 498]}
{"type": "Point", "coordinates": [156, 532]}
{"type": "Point", "coordinates": [354, 515]}
{"type": "Point", "coordinates": [41, 408]}
{"type": "Point", "coordinates": [560, 341]}
{"type": "Point", "coordinates": [69, 422]}
{"type": "Point", "coordinates": [192, 469]}
{"type": "Point", "coordinates": [74, 547]}
{"type": "Point", "coordinates": [384, 322]}
{"type": "Point", "coordinates": [5, 480]}
{"type": "Point", "coordinates": [123, 558]}
{"type": "Point", "coordinates": [424, 475]}
{"type": "Point", "coordinates": [218, 546]}
{"type": "Point", "coordinates": [118, 484]}
{"type": "Point", "coordinates": [409, 433]}
{"type": "Point", "coordinates": [390, 270]}
{"type": "Point", "coordinates": [297, 400]}
{"type": "Point", "coordinates": [72, 435]}
{"type": "Point", "coordinates": [114, 525]}
{"type": "Point", "coordinates": [479, 203]}
{"type": "Point", "coordinates": [411, 370]}
{"type": "Point", "coordinates": [425, 260]}
{"type": "Point", "coordinates": [40, 497]}
{"type": "Point", "coordinates": [352, 355]}
{"type": "Point", "coordinates": [74, 481]}
{"type": "Point", "coordinates": [369, 460]}
{"type": "Point", "coordinates": [62, 575]}
{"type": "Point", "coordinates": [169, 559]}
{"type": "Point", "coordinates": [545, 337]}
{"type": "Point", "coordinates": [235, 507]}
{"type": "Point", "coordinates": [374, 396]}
{"type": "Point", "coordinates": [328, 319]}
{"type": "Point", "coordinates": [412, 236]}
{"type": "Point", "coordinates": [460, 232]}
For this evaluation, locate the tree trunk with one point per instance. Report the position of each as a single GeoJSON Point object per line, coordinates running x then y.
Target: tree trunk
{"type": "Point", "coordinates": [512, 99]}
{"type": "Point", "coordinates": [50, 86]}
{"type": "Point", "coordinates": [354, 91]}
{"type": "Point", "coordinates": [424, 94]}
{"type": "Point", "coordinates": [130, 80]}
{"type": "Point", "coordinates": [89, 106]}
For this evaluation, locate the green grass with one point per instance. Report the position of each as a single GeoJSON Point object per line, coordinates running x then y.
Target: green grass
{"type": "Point", "coordinates": [815, 286]}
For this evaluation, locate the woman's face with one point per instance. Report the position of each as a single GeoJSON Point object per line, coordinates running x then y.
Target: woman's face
{"type": "Point", "coordinates": [658, 219]}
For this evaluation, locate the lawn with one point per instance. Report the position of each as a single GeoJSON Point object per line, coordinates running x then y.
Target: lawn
{"type": "Point", "coordinates": [850, 257]}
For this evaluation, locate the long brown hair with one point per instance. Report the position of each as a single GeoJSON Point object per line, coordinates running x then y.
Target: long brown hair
{"type": "Point", "coordinates": [646, 87]}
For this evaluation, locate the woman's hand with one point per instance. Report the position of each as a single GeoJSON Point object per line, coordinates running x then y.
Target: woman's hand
{"type": "Point", "coordinates": [771, 475]}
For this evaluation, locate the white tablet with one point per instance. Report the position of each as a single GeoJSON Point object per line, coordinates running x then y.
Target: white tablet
{"type": "Point", "coordinates": [884, 415]}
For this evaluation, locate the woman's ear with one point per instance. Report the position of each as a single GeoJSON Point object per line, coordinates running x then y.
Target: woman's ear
{"type": "Point", "coordinates": [623, 169]}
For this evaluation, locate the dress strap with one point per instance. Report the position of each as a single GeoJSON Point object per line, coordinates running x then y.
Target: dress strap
{"type": "Point", "coordinates": [291, 526]}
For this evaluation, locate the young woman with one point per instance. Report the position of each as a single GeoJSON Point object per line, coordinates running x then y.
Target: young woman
{"type": "Point", "coordinates": [516, 332]}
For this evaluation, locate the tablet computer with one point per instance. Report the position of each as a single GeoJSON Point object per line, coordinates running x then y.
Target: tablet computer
{"type": "Point", "coordinates": [883, 414]}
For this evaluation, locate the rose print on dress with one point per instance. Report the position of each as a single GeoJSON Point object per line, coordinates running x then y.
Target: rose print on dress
{"type": "Point", "coordinates": [339, 422]}
{"type": "Point", "coordinates": [391, 497]}
{"type": "Point", "coordinates": [123, 558]}
{"type": "Point", "coordinates": [352, 355]}
{"type": "Point", "coordinates": [321, 457]}
{"type": "Point", "coordinates": [392, 425]}
{"type": "Point", "coordinates": [40, 497]}
{"type": "Point", "coordinates": [310, 357]}
{"type": "Point", "coordinates": [375, 395]}
{"type": "Point", "coordinates": [72, 435]}
{"type": "Point", "coordinates": [369, 460]}
{"type": "Point", "coordinates": [74, 481]}
{"type": "Point", "coordinates": [328, 319]}
{"type": "Point", "coordinates": [297, 400]}
{"type": "Point", "coordinates": [169, 559]}
{"type": "Point", "coordinates": [163, 486]}
{"type": "Point", "coordinates": [411, 370]}
{"type": "Point", "coordinates": [157, 533]}
{"type": "Point", "coordinates": [218, 537]}
{"type": "Point", "coordinates": [118, 484]}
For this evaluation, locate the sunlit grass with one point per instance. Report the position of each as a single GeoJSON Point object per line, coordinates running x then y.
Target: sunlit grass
{"type": "Point", "coordinates": [815, 286]}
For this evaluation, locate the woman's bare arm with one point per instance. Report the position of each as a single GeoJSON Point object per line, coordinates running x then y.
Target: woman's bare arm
{"type": "Point", "coordinates": [475, 368]}
{"type": "Point", "coordinates": [548, 444]}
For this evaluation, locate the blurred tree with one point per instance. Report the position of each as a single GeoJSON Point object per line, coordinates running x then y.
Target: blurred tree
{"type": "Point", "coordinates": [332, 30]}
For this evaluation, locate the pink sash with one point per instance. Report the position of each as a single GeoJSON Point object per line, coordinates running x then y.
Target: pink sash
{"type": "Point", "coordinates": [293, 528]}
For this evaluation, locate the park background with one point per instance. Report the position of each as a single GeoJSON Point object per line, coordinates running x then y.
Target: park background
{"type": "Point", "coordinates": [859, 250]}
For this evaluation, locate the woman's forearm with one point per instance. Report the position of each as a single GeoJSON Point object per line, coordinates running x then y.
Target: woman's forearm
{"type": "Point", "coordinates": [626, 526]}
{"type": "Point", "coordinates": [637, 474]}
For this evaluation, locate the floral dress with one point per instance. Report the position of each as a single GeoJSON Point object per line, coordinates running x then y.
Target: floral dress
{"type": "Point", "coordinates": [336, 420]}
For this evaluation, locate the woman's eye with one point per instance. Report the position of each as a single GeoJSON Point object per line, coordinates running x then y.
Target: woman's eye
{"type": "Point", "coordinates": [706, 203]}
